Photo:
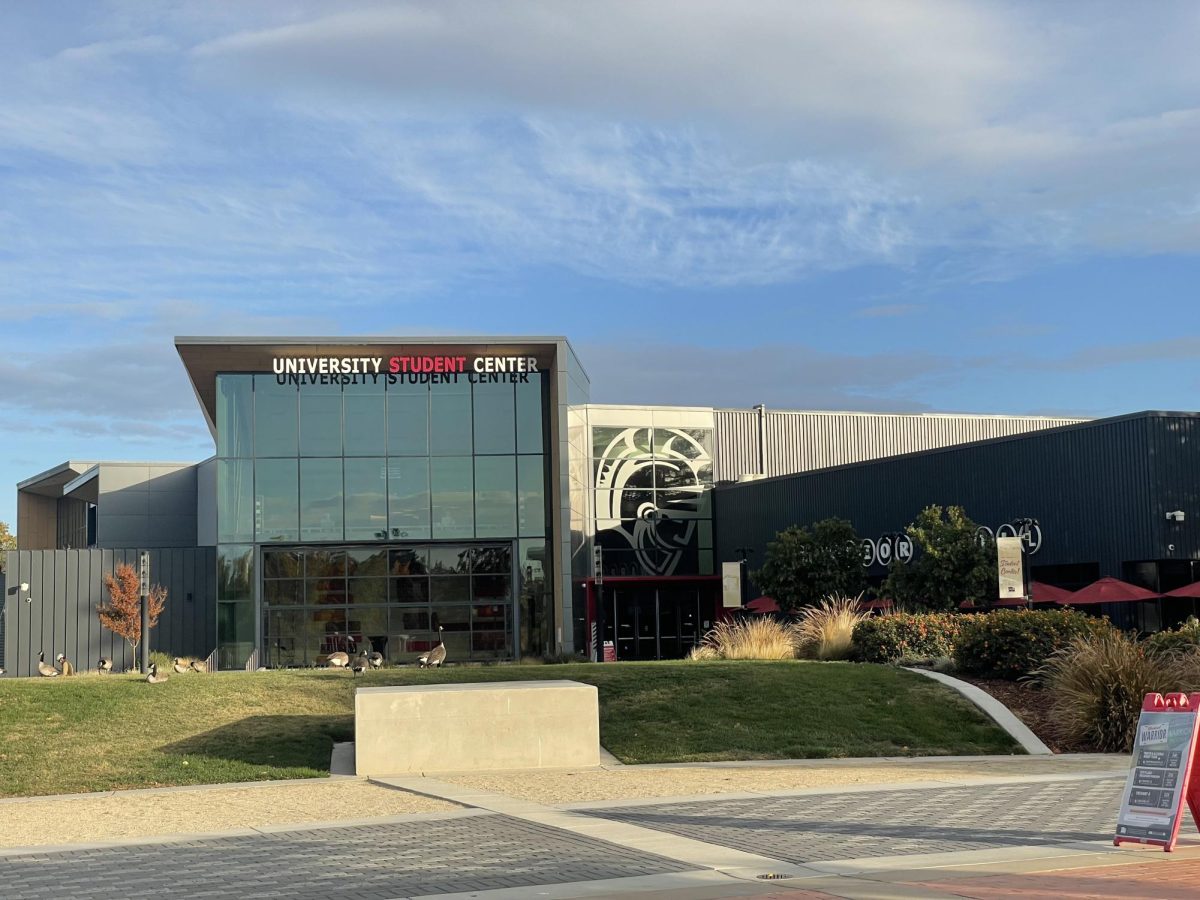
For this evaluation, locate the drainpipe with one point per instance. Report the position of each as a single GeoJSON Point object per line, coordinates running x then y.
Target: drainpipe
{"type": "Point", "coordinates": [762, 438]}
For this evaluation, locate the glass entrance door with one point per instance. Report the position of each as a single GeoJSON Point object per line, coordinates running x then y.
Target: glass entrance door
{"type": "Point", "coordinates": [648, 622]}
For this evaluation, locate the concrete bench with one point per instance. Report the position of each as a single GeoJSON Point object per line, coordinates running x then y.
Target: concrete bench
{"type": "Point", "coordinates": [476, 727]}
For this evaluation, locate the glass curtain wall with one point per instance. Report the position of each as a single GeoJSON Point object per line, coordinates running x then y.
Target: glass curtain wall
{"type": "Point", "coordinates": [369, 481]}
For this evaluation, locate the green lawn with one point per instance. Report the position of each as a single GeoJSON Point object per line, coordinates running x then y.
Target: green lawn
{"type": "Point", "coordinates": [103, 733]}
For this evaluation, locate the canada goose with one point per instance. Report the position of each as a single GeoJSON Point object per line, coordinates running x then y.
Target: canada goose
{"type": "Point", "coordinates": [375, 659]}
{"type": "Point", "coordinates": [64, 664]}
{"type": "Point", "coordinates": [181, 667]}
{"type": "Point", "coordinates": [44, 670]}
{"type": "Point", "coordinates": [435, 657]}
{"type": "Point", "coordinates": [154, 677]}
{"type": "Point", "coordinates": [104, 666]}
{"type": "Point", "coordinates": [198, 666]}
{"type": "Point", "coordinates": [1, 670]}
{"type": "Point", "coordinates": [339, 660]}
{"type": "Point", "coordinates": [359, 666]}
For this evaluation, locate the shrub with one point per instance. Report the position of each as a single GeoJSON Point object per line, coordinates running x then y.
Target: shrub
{"type": "Point", "coordinates": [758, 638]}
{"type": "Point", "coordinates": [1011, 643]}
{"type": "Point", "coordinates": [1097, 682]}
{"type": "Point", "coordinates": [1183, 638]}
{"type": "Point", "coordinates": [883, 639]}
{"type": "Point", "coordinates": [826, 631]}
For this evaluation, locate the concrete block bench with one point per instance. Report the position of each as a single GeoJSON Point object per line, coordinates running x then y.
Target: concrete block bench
{"type": "Point", "coordinates": [476, 727]}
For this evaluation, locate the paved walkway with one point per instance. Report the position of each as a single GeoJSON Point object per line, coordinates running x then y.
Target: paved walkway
{"type": "Point", "coordinates": [1043, 833]}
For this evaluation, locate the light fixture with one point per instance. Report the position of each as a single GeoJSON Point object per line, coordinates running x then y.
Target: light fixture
{"type": "Point", "coordinates": [1176, 515]}
{"type": "Point", "coordinates": [25, 587]}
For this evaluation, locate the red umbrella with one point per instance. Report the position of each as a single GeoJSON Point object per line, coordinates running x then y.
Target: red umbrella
{"type": "Point", "coordinates": [1188, 590]}
{"type": "Point", "coordinates": [1047, 593]}
{"type": "Point", "coordinates": [881, 603]}
{"type": "Point", "coordinates": [1108, 590]}
{"type": "Point", "coordinates": [1011, 601]}
{"type": "Point", "coordinates": [763, 605]}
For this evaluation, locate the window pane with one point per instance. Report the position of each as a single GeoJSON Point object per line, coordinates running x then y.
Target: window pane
{"type": "Point", "coordinates": [235, 573]}
{"type": "Point", "coordinates": [277, 500]}
{"type": "Point", "coordinates": [367, 590]}
{"type": "Point", "coordinates": [368, 626]}
{"type": "Point", "coordinates": [367, 562]}
{"type": "Point", "coordinates": [366, 499]}
{"type": "Point", "coordinates": [283, 564]}
{"type": "Point", "coordinates": [408, 498]}
{"type": "Point", "coordinates": [452, 490]}
{"type": "Point", "coordinates": [325, 591]}
{"type": "Point", "coordinates": [495, 418]}
{"type": "Point", "coordinates": [235, 634]}
{"type": "Point", "coordinates": [275, 417]}
{"type": "Point", "coordinates": [409, 590]}
{"type": "Point", "coordinates": [493, 588]}
{"type": "Point", "coordinates": [283, 593]}
{"type": "Point", "coordinates": [450, 418]}
{"type": "Point", "coordinates": [409, 562]}
{"type": "Point", "coordinates": [457, 636]}
{"type": "Point", "coordinates": [408, 420]}
{"type": "Point", "coordinates": [489, 631]}
{"type": "Point", "coordinates": [327, 633]}
{"type": "Point", "coordinates": [365, 419]}
{"type": "Point", "coordinates": [235, 500]}
{"type": "Point", "coordinates": [529, 416]}
{"type": "Point", "coordinates": [408, 629]}
{"type": "Point", "coordinates": [325, 563]}
{"type": "Point", "coordinates": [321, 420]}
{"type": "Point", "coordinates": [321, 499]}
{"type": "Point", "coordinates": [447, 559]}
{"type": "Point", "coordinates": [531, 496]}
{"type": "Point", "coordinates": [495, 496]}
{"type": "Point", "coordinates": [235, 415]}
{"type": "Point", "coordinates": [287, 638]}
{"type": "Point", "coordinates": [497, 559]}
{"type": "Point", "coordinates": [449, 589]}
{"type": "Point", "coordinates": [535, 597]}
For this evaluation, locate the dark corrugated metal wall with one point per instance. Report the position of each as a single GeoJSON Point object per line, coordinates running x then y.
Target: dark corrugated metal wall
{"type": "Point", "coordinates": [66, 586]}
{"type": "Point", "coordinates": [1100, 492]}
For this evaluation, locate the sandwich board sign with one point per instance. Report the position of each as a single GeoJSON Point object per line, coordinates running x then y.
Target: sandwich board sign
{"type": "Point", "coordinates": [1164, 776]}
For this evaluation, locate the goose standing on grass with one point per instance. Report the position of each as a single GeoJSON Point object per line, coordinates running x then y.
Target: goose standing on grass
{"type": "Point", "coordinates": [435, 657]}
{"type": "Point", "coordinates": [44, 670]}
{"type": "Point", "coordinates": [375, 659]}
{"type": "Point", "coordinates": [64, 664]}
{"type": "Point", "coordinates": [339, 660]}
{"type": "Point", "coordinates": [360, 665]}
{"type": "Point", "coordinates": [154, 677]}
{"type": "Point", "coordinates": [181, 667]}
{"type": "Point", "coordinates": [104, 666]}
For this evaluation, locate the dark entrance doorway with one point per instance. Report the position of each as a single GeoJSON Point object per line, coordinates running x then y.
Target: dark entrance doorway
{"type": "Point", "coordinates": [648, 621]}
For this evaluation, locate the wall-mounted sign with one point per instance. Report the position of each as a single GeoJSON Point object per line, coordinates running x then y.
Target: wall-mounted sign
{"type": "Point", "coordinates": [889, 547]}
{"type": "Point", "coordinates": [1028, 530]}
{"type": "Point", "coordinates": [420, 369]}
{"type": "Point", "coordinates": [731, 584]}
{"type": "Point", "coordinates": [1010, 567]}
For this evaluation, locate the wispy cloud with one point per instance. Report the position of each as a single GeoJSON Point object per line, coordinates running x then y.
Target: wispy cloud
{"type": "Point", "coordinates": [889, 310]}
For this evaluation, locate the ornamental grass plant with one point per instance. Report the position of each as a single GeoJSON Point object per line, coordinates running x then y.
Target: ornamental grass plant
{"type": "Point", "coordinates": [826, 631]}
{"type": "Point", "coordinates": [758, 638]}
{"type": "Point", "coordinates": [1095, 686]}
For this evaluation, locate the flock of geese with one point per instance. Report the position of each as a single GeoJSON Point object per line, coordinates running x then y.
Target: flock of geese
{"type": "Point", "coordinates": [358, 664]}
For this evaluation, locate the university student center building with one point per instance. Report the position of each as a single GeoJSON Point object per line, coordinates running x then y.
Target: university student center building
{"type": "Point", "coordinates": [367, 492]}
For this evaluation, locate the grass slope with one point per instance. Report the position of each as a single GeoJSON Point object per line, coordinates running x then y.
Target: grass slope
{"type": "Point", "coordinates": [105, 733]}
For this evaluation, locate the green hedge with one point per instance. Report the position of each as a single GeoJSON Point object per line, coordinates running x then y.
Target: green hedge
{"type": "Point", "coordinates": [1185, 637]}
{"type": "Point", "coordinates": [1012, 643]}
{"type": "Point", "coordinates": [884, 639]}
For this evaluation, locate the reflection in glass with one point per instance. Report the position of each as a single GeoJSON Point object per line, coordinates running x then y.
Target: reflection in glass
{"type": "Point", "coordinates": [287, 638]}
{"type": "Point", "coordinates": [283, 564]}
{"type": "Point", "coordinates": [529, 416]}
{"type": "Point", "coordinates": [495, 496]}
{"type": "Point", "coordinates": [495, 418]}
{"type": "Point", "coordinates": [495, 558]}
{"type": "Point", "coordinates": [321, 563]}
{"type": "Point", "coordinates": [235, 573]}
{"type": "Point", "coordinates": [235, 415]}
{"type": "Point", "coordinates": [449, 589]}
{"type": "Point", "coordinates": [325, 591]}
{"type": "Point", "coordinates": [275, 417]}
{"type": "Point", "coordinates": [535, 598]}
{"type": "Point", "coordinates": [449, 558]}
{"type": "Point", "coordinates": [288, 592]}
{"type": "Point", "coordinates": [321, 420]}
{"type": "Point", "coordinates": [450, 418]}
{"type": "Point", "coordinates": [409, 590]}
{"type": "Point", "coordinates": [413, 561]}
{"type": "Point", "coordinates": [452, 491]}
{"type": "Point", "coordinates": [365, 419]}
{"type": "Point", "coordinates": [408, 420]}
{"type": "Point", "coordinates": [235, 500]}
{"type": "Point", "coordinates": [277, 502]}
{"type": "Point", "coordinates": [366, 499]}
{"type": "Point", "coordinates": [235, 634]}
{"type": "Point", "coordinates": [408, 498]}
{"type": "Point", "coordinates": [366, 590]}
{"type": "Point", "coordinates": [321, 500]}
{"type": "Point", "coordinates": [366, 561]}
{"type": "Point", "coordinates": [531, 496]}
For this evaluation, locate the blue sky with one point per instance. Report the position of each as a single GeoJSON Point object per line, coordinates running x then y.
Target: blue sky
{"type": "Point", "coordinates": [865, 205]}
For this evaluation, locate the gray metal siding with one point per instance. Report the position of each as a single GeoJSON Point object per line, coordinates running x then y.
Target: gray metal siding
{"type": "Point", "coordinates": [66, 586]}
{"type": "Point", "coordinates": [806, 441]}
{"type": "Point", "coordinates": [146, 505]}
{"type": "Point", "coordinates": [1090, 487]}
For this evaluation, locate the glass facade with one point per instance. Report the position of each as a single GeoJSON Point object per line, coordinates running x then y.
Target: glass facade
{"type": "Point", "coordinates": [372, 509]}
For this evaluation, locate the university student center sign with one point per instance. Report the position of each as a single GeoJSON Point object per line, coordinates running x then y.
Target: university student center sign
{"type": "Point", "coordinates": [424, 369]}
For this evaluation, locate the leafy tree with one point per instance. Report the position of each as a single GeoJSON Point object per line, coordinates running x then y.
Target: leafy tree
{"type": "Point", "coordinates": [8, 541]}
{"type": "Point", "coordinates": [122, 615]}
{"type": "Point", "coordinates": [803, 565]}
{"type": "Point", "coordinates": [949, 565]}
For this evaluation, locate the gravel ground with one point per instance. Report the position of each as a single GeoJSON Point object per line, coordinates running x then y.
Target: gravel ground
{"type": "Point", "coordinates": [101, 817]}
{"type": "Point", "coordinates": [632, 782]}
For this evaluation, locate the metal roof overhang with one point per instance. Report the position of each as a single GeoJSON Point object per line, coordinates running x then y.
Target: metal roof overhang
{"type": "Point", "coordinates": [205, 357]}
{"type": "Point", "coordinates": [51, 482]}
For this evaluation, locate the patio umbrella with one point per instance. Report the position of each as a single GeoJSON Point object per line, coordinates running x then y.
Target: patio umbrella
{"type": "Point", "coordinates": [1188, 590]}
{"type": "Point", "coordinates": [1108, 590]}
{"type": "Point", "coordinates": [1047, 593]}
{"type": "Point", "coordinates": [882, 603]}
{"type": "Point", "coordinates": [763, 605]}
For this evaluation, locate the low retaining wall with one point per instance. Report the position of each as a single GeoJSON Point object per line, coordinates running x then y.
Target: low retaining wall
{"type": "Point", "coordinates": [476, 727]}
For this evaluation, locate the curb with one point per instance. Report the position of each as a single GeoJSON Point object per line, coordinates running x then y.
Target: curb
{"type": "Point", "coordinates": [1000, 713]}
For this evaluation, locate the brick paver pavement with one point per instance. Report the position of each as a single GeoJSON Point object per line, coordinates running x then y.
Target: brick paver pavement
{"type": "Point", "coordinates": [1165, 880]}
{"type": "Point", "coordinates": [369, 862]}
{"type": "Point", "coordinates": [826, 827]}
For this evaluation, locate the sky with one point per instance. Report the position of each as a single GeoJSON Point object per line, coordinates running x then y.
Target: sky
{"type": "Point", "coordinates": [919, 206]}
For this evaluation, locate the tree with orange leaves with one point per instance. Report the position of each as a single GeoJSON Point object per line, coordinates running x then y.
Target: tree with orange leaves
{"type": "Point", "coordinates": [122, 615]}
